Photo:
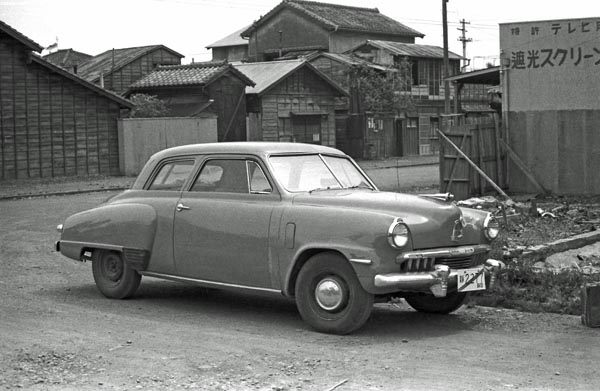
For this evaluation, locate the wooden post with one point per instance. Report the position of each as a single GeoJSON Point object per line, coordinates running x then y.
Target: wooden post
{"type": "Point", "coordinates": [499, 176]}
{"type": "Point", "coordinates": [499, 190]}
{"type": "Point", "coordinates": [454, 164]}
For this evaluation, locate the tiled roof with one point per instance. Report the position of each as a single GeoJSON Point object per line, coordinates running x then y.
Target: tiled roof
{"type": "Point", "coordinates": [412, 49]}
{"type": "Point", "coordinates": [66, 58]}
{"type": "Point", "coordinates": [20, 37]}
{"type": "Point", "coordinates": [342, 17]}
{"type": "Point", "coordinates": [114, 59]}
{"type": "Point", "coordinates": [201, 73]}
{"type": "Point", "coordinates": [268, 74]}
{"type": "Point", "coordinates": [233, 39]}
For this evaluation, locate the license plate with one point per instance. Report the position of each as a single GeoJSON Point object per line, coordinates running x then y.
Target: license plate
{"type": "Point", "coordinates": [470, 279]}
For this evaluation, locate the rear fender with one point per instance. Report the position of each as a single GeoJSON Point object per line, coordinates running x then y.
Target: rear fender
{"type": "Point", "coordinates": [127, 228]}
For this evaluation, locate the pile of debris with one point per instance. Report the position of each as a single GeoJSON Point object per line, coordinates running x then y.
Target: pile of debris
{"type": "Point", "coordinates": [551, 233]}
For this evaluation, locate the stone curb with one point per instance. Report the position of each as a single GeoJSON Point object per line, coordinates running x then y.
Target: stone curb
{"type": "Point", "coordinates": [368, 168]}
{"type": "Point", "coordinates": [61, 193]}
{"type": "Point", "coordinates": [540, 252]}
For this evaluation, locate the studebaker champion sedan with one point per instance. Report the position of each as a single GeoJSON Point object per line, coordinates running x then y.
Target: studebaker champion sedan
{"type": "Point", "coordinates": [297, 219]}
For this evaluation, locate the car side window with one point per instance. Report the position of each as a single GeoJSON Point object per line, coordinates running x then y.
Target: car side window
{"type": "Point", "coordinates": [223, 175]}
{"type": "Point", "coordinates": [259, 184]}
{"type": "Point", "coordinates": [172, 175]}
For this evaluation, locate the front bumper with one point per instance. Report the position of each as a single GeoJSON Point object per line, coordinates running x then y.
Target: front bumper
{"type": "Point", "coordinates": [442, 278]}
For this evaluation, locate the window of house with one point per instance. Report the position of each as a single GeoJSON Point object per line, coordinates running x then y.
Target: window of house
{"type": "Point", "coordinates": [412, 123]}
{"type": "Point", "coordinates": [374, 124]}
{"type": "Point", "coordinates": [172, 175]}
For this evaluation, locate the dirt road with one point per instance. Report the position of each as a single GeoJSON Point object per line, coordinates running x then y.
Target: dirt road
{"type": "Point", "coordinates": [57, 332]}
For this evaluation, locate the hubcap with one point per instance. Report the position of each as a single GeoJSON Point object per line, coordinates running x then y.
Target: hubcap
{"type": "Point", "coordinates": [329, 294]}
{"type": "Point", "coordinates": [113, 268]}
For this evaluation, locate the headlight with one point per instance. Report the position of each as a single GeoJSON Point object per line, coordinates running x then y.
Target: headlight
{"type": "Point", "coordinates": [398, 234]}
{"type": "Point", "coordinates": [491, 228]}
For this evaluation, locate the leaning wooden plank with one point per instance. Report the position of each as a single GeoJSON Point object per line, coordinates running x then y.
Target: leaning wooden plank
{"type": "Point", "coordinates": [515, 158]}
{"type": "Point", "coordinates": [479, 170]}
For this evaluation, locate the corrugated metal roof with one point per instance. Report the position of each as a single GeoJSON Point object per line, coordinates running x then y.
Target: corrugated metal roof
{"type": "Point", "coordinates": [348, 60]}
{"type": "Point", "coordinates": [201, 73]}
{"type": "Point", "coordinates": [413, 49]}
{"type": "Point", "coordinates": [233, 39]}
{"type": "Point", "coordinates": [267, 74]}
{"type": "Point", "coordinates": [343, 17]}
{"type": "Point", "coordinates": [114, 59]}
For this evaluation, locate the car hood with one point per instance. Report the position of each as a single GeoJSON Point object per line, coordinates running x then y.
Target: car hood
{"type": "Point", "coordinates": [431, 222]}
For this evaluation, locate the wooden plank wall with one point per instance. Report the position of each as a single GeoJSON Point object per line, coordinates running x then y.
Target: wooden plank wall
{"type": "Point", "coordinates": [477, 138]}
{"type": "Point", "coordinates": [120, 80]}
{"type": "Point", "coordinates": [50, 125]}
{"type": "Point", "coordinates": [561, 149]}
{"type": "Point", "coordinates": [229, 94]}
{"type": "Point", "coordinates": [300, 92]}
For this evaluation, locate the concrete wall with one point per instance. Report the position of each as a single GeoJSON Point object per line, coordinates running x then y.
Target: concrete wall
{"type": "Point", "coordinates": [550, 103]}
{"type": "Point", "coordinates": [140, 138]}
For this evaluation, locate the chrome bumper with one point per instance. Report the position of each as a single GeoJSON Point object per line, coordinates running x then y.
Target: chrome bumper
{"type": "Point", "coordinates": [436, 281]}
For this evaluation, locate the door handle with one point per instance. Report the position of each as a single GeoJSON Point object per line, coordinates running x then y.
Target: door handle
{"type": "Point", "coordinates": [181, 207]}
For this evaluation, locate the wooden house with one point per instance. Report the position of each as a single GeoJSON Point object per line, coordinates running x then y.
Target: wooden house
{"type": "Point", "coordinates": [52, 122]}
{"type": "Point", "coordinates": [291, 101]}
{"type": "Point", "coordinates": [189, 90]}
{"type": "Point", "coordinates": [296, 26]}
{"type": "Point", "coordinates": [350, 118]}
{"type": "Point", "coordinates": [231, 48]}
{"type": "Point", "coordinates": [414, 132]}
{"type": "Point", "coordinates": [117, 69]}
{"type": "Point", "coordinates": [67, 58]}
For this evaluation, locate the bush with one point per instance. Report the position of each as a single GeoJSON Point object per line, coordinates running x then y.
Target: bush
{"type": "Point", "coordinates": [147, 106]}
{"type": "Point", "coordinates": [523, 287]}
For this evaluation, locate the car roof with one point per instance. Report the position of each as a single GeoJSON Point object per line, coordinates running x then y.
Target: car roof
{"type": "Point", "coordinates": [246, 147]}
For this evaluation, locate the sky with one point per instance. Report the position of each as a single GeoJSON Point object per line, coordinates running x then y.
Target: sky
{"type": "Point", "coordinates": [188, 26]}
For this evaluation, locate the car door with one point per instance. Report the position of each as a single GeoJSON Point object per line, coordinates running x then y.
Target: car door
{"type": "Point", "coordinates": [222, 224]}
{"type": "Point", "coordinates": [163, 192]}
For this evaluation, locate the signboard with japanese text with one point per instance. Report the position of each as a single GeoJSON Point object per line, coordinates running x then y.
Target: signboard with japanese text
{"type": "Point", "coordinates": [551, 65]}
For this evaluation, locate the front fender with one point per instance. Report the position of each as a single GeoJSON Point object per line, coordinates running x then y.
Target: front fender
{"type": "Point", "coordinates": [122, 227]}
{"type": "Point", "coordinates": [359, 235]}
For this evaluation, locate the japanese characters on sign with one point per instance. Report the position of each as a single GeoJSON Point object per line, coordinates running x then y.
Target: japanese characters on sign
{"type": "Point", "coordinates": [538, 48]}
{"type": "Point", "coordinates": [551, 65]}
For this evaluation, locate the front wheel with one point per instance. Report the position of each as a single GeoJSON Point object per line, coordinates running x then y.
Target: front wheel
{"type": "Point", "coordinates": [113, 276]}
{"type": "Point", "coordinates": [436, 305]}
{"type": "Point", "coordinates": [329, 296]}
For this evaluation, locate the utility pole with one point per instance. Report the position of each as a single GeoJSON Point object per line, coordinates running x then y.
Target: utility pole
{"type": "Point", "coordinates": [463, 38]}
{"type": "Point", "coordinates": [446, 70]}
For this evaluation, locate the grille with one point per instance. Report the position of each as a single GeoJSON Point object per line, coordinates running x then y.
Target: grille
{"type": "Point", "coordinates": [455, 263]}
{"type": "Point", "coordinates": [417, 265]}
{"type": "Point", "coordinates": [427, 264]}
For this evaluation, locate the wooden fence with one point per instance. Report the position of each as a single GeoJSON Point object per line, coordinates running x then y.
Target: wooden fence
{"type": "Point", "coordinates": [480, 139]}
{"type": "Point", "coordinates": [140, 138]}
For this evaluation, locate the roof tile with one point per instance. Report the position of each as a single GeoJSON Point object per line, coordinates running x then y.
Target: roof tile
{"type": "Point", "coordinates": [201, 73]}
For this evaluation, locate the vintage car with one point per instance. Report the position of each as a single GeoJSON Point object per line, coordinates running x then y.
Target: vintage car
{"type": "Point", "coordinates": [296, 219]}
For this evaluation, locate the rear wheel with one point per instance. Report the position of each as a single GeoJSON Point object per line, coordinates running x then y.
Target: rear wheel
{"type": "Point", "coordinates": [329, 296]}
{"type": "Point", "coordinates": [113, 276]}
{"type": "Point", "coordinates": [437, 305]}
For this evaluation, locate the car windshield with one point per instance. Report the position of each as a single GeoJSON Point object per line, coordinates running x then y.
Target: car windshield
{"type": "Point", "coordinates": [298, 173]}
